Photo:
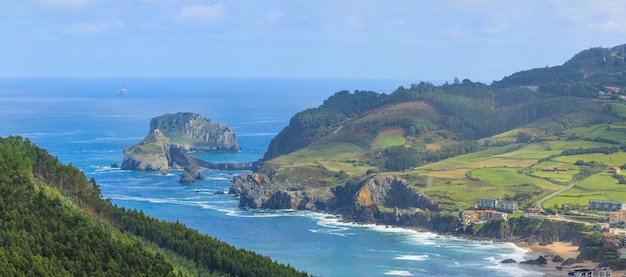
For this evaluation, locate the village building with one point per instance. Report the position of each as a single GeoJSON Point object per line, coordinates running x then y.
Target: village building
{"type": "Point", "coordinates": [615, 170]}
{"type": "Point", "coordinates": [613, 89]}
{"type": "Point", "coordinates": [610, 240]}
{"type": "Point", "coordinates": [617, 217]}
{"type": "Point", "coordinates": [471, 216]}
{"type": "Point", "coordinates": [596, 272]}
{"type": "Point", "coordinates": [533, 211]}
{"type": "Point", "coordinates": [621, 253]}
{"type": "Point", "coordinates": [497, 204]}
{"type": "Point", "coordinates": [606, 205]}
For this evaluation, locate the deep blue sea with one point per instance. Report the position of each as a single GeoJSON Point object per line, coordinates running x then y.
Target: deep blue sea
{"type": "Point", "coordinates": [86, 123]}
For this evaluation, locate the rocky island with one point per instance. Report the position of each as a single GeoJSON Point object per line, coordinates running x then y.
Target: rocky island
{"type": "Point", "coordinates": [170, 139]}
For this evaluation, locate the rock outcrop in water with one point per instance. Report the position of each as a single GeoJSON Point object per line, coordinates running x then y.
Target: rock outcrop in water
{"type": "Point", "coordinates": [194, 132]}
{"type": "Point", "coordinates": [378, 199]}
{"type": "Point", "coordinates": [167, 149]}
{"type": "Point", "coordinates": [151, 154]}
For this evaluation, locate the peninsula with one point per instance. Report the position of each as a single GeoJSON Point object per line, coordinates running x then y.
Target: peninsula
{"type": "Point", "coordinates": [520, 159]}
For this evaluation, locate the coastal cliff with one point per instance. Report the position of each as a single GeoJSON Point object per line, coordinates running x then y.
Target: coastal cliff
{"type": "Point", "coordinates": [151, 154]}
{"type": "Point", "coordinates": [390, 200]}
{"type": "Point", "coordinates": [377, 199]}
{"type": "Point", "coordinates": [194, 132]}
{"type": "Point", "coordinates": [167, 148]}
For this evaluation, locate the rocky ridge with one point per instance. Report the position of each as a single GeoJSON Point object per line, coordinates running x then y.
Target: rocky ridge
{"type": "Point", "coordinates": [376, 199]}
{"type": "Point", "coordinates": [164, 150]}
{"type": "Point", "coordinates": [194, 132]}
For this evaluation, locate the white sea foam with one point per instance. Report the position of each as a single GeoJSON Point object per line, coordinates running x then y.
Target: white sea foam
{"type": "Point", "coordinates": [329, 232]}
{"type": "Point", "coordinates": [398, 273]}
{"type": "Point", "coordinates": [218, 178]}
{"type": "Point", "coordinates": [412, 257]}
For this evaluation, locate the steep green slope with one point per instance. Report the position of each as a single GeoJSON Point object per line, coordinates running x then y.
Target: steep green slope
{"type": "Point", "coordinates": [457, 142]}
{"type": "Point", "coordinates": [54, 223]}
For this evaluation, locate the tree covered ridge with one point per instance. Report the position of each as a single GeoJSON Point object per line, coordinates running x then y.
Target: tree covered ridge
{"type": "Point", "coordinates": [43, 233]}
{"type": "Point", "coordinates": [467, 110]}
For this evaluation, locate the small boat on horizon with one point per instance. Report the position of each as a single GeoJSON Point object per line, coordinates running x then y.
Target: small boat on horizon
{"type": "Point", "coordinates": [122, 91]}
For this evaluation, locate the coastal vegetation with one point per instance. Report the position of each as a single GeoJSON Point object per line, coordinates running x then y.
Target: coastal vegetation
{"type": "Point", "coordinates": [545, 138]}
{"type": "Point", "coordinates": [55, 223]}
{"type": "Point", "coordinates": [471, 139]}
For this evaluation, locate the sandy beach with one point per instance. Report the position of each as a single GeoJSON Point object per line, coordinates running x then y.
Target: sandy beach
{"type": "Point", "coordinates": [564, 249]}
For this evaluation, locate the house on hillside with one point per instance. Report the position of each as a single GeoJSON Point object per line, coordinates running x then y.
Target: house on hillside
{"type": "Point", "coordinates": [610, 240]}
{"type": "Point", "coordinates": [612, 89]}
{"type": "Point", "coordinates": [596, 272]}
{"type": "Point", "coordinates": [498, 205]}
{"type": "Point", "coordinates": [617, 217]}
{"type": "Point", "coordinates": [532, 210]}
{"type": "Point", "coordinates": [471, 216]}
{"type": "Point", "coordinates": [615, 170]}
{"type": "Point", "coordinates": [606, 205]}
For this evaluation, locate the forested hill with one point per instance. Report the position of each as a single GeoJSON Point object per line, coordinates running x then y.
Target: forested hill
{"type": "Point", "coordinates": [53, 222]}
{"type": "Point", "coordinates": [584, 75]}
{"type": "Point", "coordinates": [463, 110]}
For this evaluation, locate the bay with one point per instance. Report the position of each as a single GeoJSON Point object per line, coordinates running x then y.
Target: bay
{"type": "Point", "coordinates": [86, 123]}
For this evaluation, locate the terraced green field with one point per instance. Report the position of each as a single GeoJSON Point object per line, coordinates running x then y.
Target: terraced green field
{"type": "Point", "coordinates": [597, 187]}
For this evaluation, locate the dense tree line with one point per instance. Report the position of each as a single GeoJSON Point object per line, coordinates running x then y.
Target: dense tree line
{"type": "Point", "coordinates": [468, 111]}
{"type": "Point", "coordinates": [43, 233]}
{"type": "Point", "coordinates": [398, 158]}
{"type": "Point", "coordinates": [582, 76]}
{"type": "Point", "coordinates": [601, 149]}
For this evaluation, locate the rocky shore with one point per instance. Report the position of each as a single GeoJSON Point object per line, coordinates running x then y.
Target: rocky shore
{"type": "Point", "coordinates": [377, 199]}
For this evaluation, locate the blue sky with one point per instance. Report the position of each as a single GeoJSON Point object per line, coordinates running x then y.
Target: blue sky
{"type": "Point", "coordinates": [420, 40]}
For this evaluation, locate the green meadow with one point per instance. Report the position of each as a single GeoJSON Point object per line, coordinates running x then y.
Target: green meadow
{"type": "Point", "coordinates": [498, 172]}
{"type": "Point", "coordinates": [597, 187]}
{"type": "Point", "coordinates": [387, 140]}
{"type": "Point", "coordinates": [613, 159]}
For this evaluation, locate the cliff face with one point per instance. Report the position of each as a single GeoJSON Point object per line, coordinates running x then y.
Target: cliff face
{"type": "Point", "coordinates": [156, 153]}
{"type": "Point", "coordinates": [151, 154]}
{"type": "Point", "coordinates": [167, 149]}
{"type": "Point", "coordinates": [194, 132]}
{"type": "Point", "coordinates": [380, 199]}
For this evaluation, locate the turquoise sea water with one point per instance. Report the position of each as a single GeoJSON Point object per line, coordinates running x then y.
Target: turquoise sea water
{"type": "Point", "coordinates": [85, 122]}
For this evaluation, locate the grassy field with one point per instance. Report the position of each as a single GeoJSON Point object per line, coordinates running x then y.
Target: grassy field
{"type": "Point", "coordinates": [614, 131]}
{"type": "Point", "coordinates": [335, 157]}
{"type": "Point", "coordinates": [597, 187]}
{"type": "Point", "coordinates": [389, 138]}
{"type": "Point", "coordinates": [498, 172]}
{"type": "Point", "coordinates": [613, 159]}
{"type": "Point", "coordinates": [619, 108]}
{"type": "Point", "coordinates": [464, 194]}
{"type": "Point", "coordinates": [502, 171]}
{"type": "Point", "coordinates": [487, 158]}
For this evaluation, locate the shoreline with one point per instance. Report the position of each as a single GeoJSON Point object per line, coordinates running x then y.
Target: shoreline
{"type": "Point", "coordinates": [564, 249]}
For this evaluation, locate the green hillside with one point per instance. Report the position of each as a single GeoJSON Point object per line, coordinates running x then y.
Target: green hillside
{"type": "Point", "coordinates": [55, 223]}
{"type": "Point", "coordinates": [461, 141]}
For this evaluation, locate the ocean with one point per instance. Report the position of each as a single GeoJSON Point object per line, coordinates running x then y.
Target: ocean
{"type": "Point", "coordinates": [86, 123]}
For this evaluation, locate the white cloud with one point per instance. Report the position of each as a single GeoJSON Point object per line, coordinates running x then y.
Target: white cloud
{"type": "Point", "coordinates": [201, 13]}
{"type": "Point", "coordinates": [72, 5]}
{"type": "Point", "coordinates": [595, 16]}
{"type": "Point", "coordinates": [274, 15]}
{"type": "Point", "coordinates": [95, 27]}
